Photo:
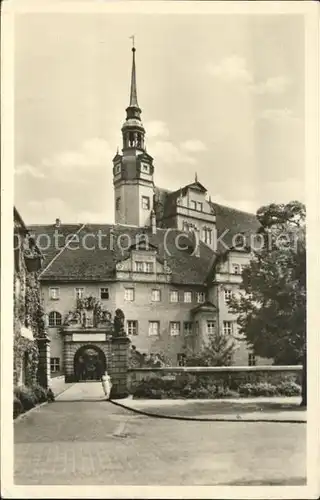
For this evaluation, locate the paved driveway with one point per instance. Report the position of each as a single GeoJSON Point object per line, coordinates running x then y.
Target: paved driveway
{"type": "Point", "coordinates": [93, 442]}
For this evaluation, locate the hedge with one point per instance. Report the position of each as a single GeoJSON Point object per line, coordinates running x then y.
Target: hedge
{"type": "Point", "coordinates": [27, 397]}
{"type": "Point", "coordinates": [190, 386]}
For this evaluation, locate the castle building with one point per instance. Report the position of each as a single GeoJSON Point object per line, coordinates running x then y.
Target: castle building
{"type": "Point", "coordinates": [163, 263]}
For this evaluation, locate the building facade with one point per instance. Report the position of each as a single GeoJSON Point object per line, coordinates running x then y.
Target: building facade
{"type": "Point", "coordinates": [170, 262]}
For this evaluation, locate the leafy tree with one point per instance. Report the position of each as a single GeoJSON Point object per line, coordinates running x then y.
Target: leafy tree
{"type": "Point", "coordinates": [217, 351]}
{"type": "Point", "coordinates": [272, 300]}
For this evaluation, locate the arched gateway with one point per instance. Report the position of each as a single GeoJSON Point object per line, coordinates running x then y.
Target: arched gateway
{"type": "Point", "coordinates": [89, 363]}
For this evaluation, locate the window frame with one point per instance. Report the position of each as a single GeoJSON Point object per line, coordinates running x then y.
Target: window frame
{"type": "Point", "coordinates": [193, 204]}
{"type": "Point", "coordinates": [172, 330]}
{"type": "Point", "coordinates": [153, 322]}
{"type": "Point", "coordinates": [170, 296]}
{"type": "Point", "coordinates": [104, 288]}
{"type": "Point", "coordinates": [201, 294]}
{"type": "Point", "coordinates": [187, 331]}
{"type": "Point", "coordinates": [133, 294]}
{"type": "Point", "coordinates": [58, 292]}
{"type": "Point", "coordinates": [159, 292]}
{"type": "Point", "coordinates": [143, 200]}
{"type": "Point", "coordinates": [57, 316]}
{"type": "Point", "coordinates": [137, 264]}
{"type": "Point", "coordinates": [52, 362]}
{"type": "Point", "coordinates": [226, 329]}
{"type": "Point", "coordinates": [184, 297]}
{"type": "Point", "coordinates": [225, 293]}
{"type": "Point", "coordinates": [252, 360]}
{"type": "Point", "coordinates": [200, 206]}
{"type": "Point", "coordinates": [234, 266]}
{"type": "Point", "coordinates": [79, 288]}
{"type": "Point", "coordinates": [211, 325]}
{"type": "Point", "coordinates": [133, 328]}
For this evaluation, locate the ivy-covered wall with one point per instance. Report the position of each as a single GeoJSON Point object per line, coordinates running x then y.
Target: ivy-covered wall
{"type": "Point", "coordinates": [28, 312]}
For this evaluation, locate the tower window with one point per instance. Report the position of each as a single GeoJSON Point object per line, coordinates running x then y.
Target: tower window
{"type": "Point", "coordinates": [193, 205]}
{"type": "Point", "coordinates": [145, 202]}
{"type": "Point", "coordinates": [145, 168]}
{"type": "Point", "coordinates": [117, 169]}
{"type": "Point", "coordinates": [118, 202]}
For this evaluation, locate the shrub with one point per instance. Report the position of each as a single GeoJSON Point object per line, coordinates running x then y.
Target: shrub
{"type": "Point", "coordinates": [27, 397]}
{"type": "Point", "coordinates": [259, 389]}
{"type": "Point", "coordinates": [17, 407]}
{"type": "Point", "coordinates": [289, 388]}
{"type": "Point", "coordinates": [40, 393]}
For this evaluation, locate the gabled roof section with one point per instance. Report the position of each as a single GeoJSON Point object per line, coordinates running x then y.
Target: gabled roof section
{"type": "Point", "coordinates": [197, 186]}
{"type": "Point", "coordinates": [102, 246]}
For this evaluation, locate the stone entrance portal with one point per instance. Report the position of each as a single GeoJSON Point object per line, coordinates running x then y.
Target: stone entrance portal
{"type": "Point", "coordinates": [89, 363]}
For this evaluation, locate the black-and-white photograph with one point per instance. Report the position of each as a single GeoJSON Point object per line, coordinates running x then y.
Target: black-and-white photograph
{"type": "Point", "coordinates": [159, 264]}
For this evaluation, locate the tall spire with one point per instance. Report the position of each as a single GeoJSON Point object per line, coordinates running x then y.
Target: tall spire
{"type": "Point", "coordinates": [133, 89]}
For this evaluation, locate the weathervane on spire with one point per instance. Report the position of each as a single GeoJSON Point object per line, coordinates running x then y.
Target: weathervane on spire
{"type": "Point", "coordinates": [132, 38]}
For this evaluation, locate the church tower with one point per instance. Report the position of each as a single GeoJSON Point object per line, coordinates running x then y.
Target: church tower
{"type": "Point", "coordinates": [133, 169]}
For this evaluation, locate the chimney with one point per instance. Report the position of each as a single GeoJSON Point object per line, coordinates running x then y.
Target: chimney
{"type": "Point", "coordinates": [58, 222]}
{"type": "Point", "coordinates": [153, 222]}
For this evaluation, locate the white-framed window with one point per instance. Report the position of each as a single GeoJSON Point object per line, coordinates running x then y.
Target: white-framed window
{"type": "Point", "coordinates": [193, 204]}
{"type": "Point", "coordinates": [118, 203]}
{"type": "Point", "coordinates": [154, 328]}
{"type": "Point", "coordinates": [139, 267]}
{"type": "Point", "coordinates": [155, 295]}
{"type": "Point", "coordinates": [199, 206]}
{"type": "Point", "coordinates": [174, 328]}
{"type": "Point", "coordinates": [236, 269]}
{"type": "Point", "coordinates": [211, 326]}
{"type": "Point", "coordinates": [187, 297]}
{"type": "Point", "coordinates": [227, 327]}
{"type": "Point", "coordinates": [201, 297]}
{"type": "Point", "coordinates": [227, 295]}
{"type": "Point", "coordinates": [207, 235]}
{"type": "Point", "coordinates": [54, 319]}
{"type": "Point", "coordinates": [145, 202]}
{"type": "Point", "coordinates": [79, 292]}
{"type": "Point", "coordinates": [149, 267]}
{"type": "Point", "coordinates": [252, 359]}
{"type": "Point", "coordinates": [174, 296]}
{"type": "Point", "coordinates": [104, 293]}
{"type": "Point", "coordinates": [54, 365]}
{"type": "Point", "coordinates": [54, 293]}
{"type": "Point", "coordinates": [187, 327]}
{"type": "Point", "coordinates": [129, 294]}
{"type": "Point", "coordinates": [132, 327]}
{"type": "Point", "coordinates": [117, 168]}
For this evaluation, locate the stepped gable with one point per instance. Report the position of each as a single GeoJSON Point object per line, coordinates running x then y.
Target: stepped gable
{"type": "Point", "coordinates": [98, 262]}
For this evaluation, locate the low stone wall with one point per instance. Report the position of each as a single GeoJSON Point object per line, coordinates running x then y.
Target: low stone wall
{"type": "Point", "coordinates": [229, 376]}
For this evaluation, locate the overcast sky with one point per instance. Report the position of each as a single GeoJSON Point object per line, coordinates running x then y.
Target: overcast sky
{"type": "Point", "coordinates": [222, 96]}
